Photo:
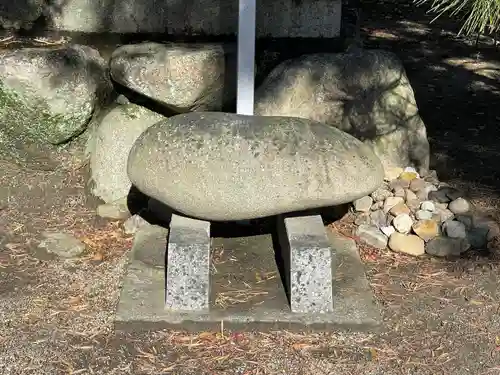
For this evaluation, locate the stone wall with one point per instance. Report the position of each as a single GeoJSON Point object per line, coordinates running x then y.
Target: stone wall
{"type": "Point", "coordinates": [275, 18]}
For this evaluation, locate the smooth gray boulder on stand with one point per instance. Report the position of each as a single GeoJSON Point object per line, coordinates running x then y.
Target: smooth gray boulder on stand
{"type": "Point", "coordinates": [223, 166]}
{"type": "Point", "coordinates": [365, 93]}
{"type": "Point", "coordinates": [182, 77]}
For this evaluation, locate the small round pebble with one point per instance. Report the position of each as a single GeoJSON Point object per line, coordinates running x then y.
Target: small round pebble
{"type": "Point", "coordinates": [399, 192]}
{"type": "Point", "coordinates": [392, 173]}
{"type": "Point", "coordinates": [388, 231]}
{"type": "Point", "coordinates": [423, 215]}
{"type": "Point", "coordinates": [467, 220]}
{"type": "Point", "coordinates": [410, 195]}
{"type": "Point", "coordinates": [381, 194]}
{"type": "Point", "coordinates": [390, 202]}
{"type": "Point", "coordinates": [454, 229]}
{"type": "Point", "coordinates": [402, 223]}
{"type": "Point", "coordinates": [417, 184]}
{"type": "Point", "coordinates": [378, 218]}
{"type": "Point", "coordinates": [445, 246]}
{"type": "Point", "coordinates": [426, 229]}
{"type": "Point", "coordinates": [363, 204]}
{"type": "Point", "coordinates": [428, 206]}
{"type": "Point", "coordinates": [459, 206]}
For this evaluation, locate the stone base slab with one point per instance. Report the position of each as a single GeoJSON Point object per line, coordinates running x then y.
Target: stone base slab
{"type": "Point", "coordinates": [247, 291]}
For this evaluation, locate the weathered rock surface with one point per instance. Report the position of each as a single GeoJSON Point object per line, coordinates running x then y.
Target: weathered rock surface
{"type": "Point", "coordinates": [423, 215]}
{"type": "Point", "coordinates": [20, 13]}
{"type": "Point", "coordinates": [459, 206]}
{"type": "Point", "coordinates": [49, 95]}
{"type": "Point", "coordinates": [134, 223]}
{"type": "Point", "coordinates": [223, 166]}
{"type": "Point", "coordinates": [426, 229]}
{"type": "Point", "coordinates": [115, 210]}
{"type": "Point", "coordinates": [378, 218]}
{"type": "Point", "coordinates": [399, 209]}
{"type": "Point", "coordinates": [62, 244]}
{"type": "Point", "coordinates": [407, 244]}
{"type": "Point", "coordinates": [381, 194]}
{"type": "Point", "coordinates": [366, 94]}
{"type": "Point", "coordinates": [286, 19]}
{"type": "Point", "coordinates": [446, 246]}
{"type": "Point", "coordinates": [402, 223]}
{"type": "Point", "coordinates": [454, 229]}
{"type": "Point", "coordinates": [183, 77]}
{"type": "Point", "coordinates": [363, 204]}
{"type": "Point", "coordinates": [390, 202]}
{"type": "Point", "coordinates": [112, 142]}
{"type": "Point", "coordinates": [428, 206]}
{"type": "Point", "coordinates": [372, 236]}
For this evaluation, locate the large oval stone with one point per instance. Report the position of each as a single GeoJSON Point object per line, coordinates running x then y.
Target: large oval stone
{"type": "Point", "coordinates": [222, 166]}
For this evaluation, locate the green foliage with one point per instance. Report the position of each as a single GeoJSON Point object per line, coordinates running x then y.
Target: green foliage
{"type": "Point", "coordinates": [480, 16]}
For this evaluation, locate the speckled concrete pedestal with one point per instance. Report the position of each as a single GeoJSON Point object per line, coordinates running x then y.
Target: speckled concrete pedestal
{"type": "Point", "coordinates": [249, 281]}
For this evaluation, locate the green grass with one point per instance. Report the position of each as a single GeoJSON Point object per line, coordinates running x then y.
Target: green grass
{"type": "Point", "coordinates": [478, 16]}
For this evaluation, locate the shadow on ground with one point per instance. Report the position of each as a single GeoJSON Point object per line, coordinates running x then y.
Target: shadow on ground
{"type": "Point", "coordinates": [457, 87]}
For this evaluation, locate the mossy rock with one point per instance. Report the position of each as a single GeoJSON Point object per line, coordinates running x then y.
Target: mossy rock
{"type": "Point", "coordinates": [35, 121]}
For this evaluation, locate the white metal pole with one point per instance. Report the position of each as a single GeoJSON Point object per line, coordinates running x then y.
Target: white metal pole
{"type": "Point", "coordinates": [246, 61]}
{"type": "Point", "coordinates": [246, 57]}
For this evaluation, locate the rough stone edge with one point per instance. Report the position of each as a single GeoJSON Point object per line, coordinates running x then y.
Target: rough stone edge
{"type": "Point", "coordinates": [309, 258]}
{"type": "Point", "coordinates": [141, 305]}
{"type": "Point", "coordinates": [188, 265]}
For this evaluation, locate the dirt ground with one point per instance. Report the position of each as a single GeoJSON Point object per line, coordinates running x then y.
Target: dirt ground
{"type": "Point", "coordinates": [440, 316]}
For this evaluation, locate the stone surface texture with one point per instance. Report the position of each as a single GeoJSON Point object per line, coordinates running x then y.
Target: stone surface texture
{"type": "Point", "coordinates": [446, 246]}
{"type": "Point", "coordinates": [402, 223]}
{"type": "Point", "coordinates": [134, 224]}
{"type": "Point", "coordinates": [188, 265]}
{"type": "Point", "coordinates": [279, 19]}
{"type": "Point", "coordinates": [182, 77]}
{"type": "Point", "coordinates": [459, 206]}
{"type": "Point", "coordinates": [115, 210]}
{"type": "Point", "coordinates": [372, 235]}
{"type": "Point", "coordinates": [147, 251]}
{"type": "Point", "coordinates": [363, 204]}
{"type": "Point", "coordinates": [365, 93]}
{"type": "Point", "coordinates": [311, 257]}
{"type": "Point", "coordinates": [62, 244]}
{"type": "Point", "coordinates": [426, 229]}
{"type": "Point", "coordinates": [222, 166]}
{"type": "Point", "coordinates": [49, 95]}
{"type": "Point", "coordinates": [407, 244]}
{"type": "Point", "coordinates": [110, 146]}
{"type": "Point", "coordinates": [20, 13]}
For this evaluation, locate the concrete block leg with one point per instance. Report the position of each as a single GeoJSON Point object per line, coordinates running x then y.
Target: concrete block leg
{"type": "Point", "coordinates": [308, 258]}
{"type": "Point", "coordinates": [188, 265]}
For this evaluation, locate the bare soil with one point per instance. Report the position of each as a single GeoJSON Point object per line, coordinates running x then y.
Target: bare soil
{"type": "Point", "coordinates": [440, 316]}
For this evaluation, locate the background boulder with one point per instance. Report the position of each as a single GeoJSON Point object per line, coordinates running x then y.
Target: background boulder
{"type": "Point", "coordinates": [109, 148]}
{"type": "Point", "coordinates": [364, 92]}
